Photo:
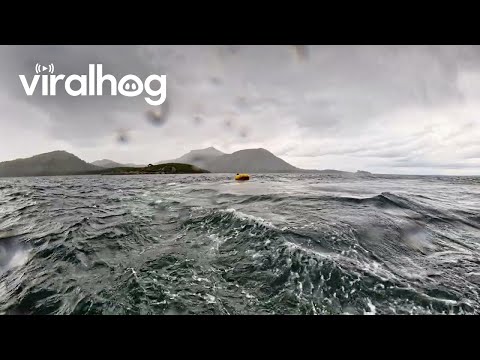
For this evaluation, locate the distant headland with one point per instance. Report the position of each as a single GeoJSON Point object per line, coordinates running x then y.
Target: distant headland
{"type": "Point", "coordinates": [169, 168]}
{"type": "Point", "coordinates": [208, 160]}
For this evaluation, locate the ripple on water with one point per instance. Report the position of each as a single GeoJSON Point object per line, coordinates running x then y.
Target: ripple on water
{"type": "Point", "coordinates": [290, 243]}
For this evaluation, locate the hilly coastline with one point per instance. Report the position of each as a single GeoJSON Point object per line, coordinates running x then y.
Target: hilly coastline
{"type": "Point", "coordinates": [169, 168]}
{"type": "Point", "coordinates": [48, 164]}
{"type": "Point", "coordinates": [109, 164]}
{"type": "Point", "coordinates": [196, 161]}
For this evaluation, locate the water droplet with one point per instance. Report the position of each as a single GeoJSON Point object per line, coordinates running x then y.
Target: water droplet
{"type": "Point", "coordinates": [216, 81]}
{"type": "Point", "coordinates": [122, 137]}
{"type": "Point", "coordinates": [301, 52]}
{"type": "Point", "coordinates": [198, 120]}
{"type": "Point", "coordinates": [241, 102]}
{"type": "Point", "coordinates": [244, 133]}
{"type": "Point", "coordinates": [158, 116]}
{"type": "Point", "coordinates": [232, 49]}
{"type": "Point", "coordinates": [228, 123]}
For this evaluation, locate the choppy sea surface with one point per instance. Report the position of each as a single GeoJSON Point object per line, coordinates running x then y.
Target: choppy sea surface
{"type": "Point", "coordinates": [206, 244]}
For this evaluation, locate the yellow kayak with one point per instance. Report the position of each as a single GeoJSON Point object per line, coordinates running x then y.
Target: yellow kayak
{"type": "Point", "coordinates": [242, 177]}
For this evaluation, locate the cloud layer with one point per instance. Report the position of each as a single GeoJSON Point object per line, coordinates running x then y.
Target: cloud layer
{"type": "Point", "coordinates": [389, 109]}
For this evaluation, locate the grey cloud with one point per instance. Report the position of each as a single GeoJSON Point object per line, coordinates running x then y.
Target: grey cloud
{"type": "Point", "coordinates": [77, 119]}
{"type": "Point", "coordinates": [358, 102]}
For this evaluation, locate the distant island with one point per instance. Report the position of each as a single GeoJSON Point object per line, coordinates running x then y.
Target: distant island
{"type": "Point", "coordinates": [170, 168]}
{"type": "Point", "coordinates": [208, 160]}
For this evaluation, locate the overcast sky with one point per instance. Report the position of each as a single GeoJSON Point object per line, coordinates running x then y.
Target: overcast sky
{"type": "Point", "coordinates": [388, 109]}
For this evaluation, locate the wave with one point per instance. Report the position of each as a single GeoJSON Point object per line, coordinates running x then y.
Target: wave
{"type": "Point", "coordinates": [124, 245]}
{"type": "Point", "coordinates": [382, 200]}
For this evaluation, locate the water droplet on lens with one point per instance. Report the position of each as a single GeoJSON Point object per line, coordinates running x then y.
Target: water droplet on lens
{"type": "Point", "coordinates": [232, 49]}
{"type": "Point", "coordinates": [241, 102]}
{"type": "Point", "coordinates": [227, 50]}
{"type": "Point", "coordinates": [158, 116]}
{"type": "Point", "coordinates": [122, 137]}
{"type": "Point", "coordinates": [301, 52]}
{"type": "Point", "coordinates": [228, 123]}
{"type": "Point", "coordinates": [216, 81]}
{"type": "Point", "coordinates": [244, 133]}
{"type": "Point", "coordinates": [198, 120]}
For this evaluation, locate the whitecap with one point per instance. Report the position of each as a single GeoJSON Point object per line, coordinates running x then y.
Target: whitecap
{"type": "Point", "coordinates": [372, 308]}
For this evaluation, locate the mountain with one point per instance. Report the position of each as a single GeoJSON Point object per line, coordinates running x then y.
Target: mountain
{"type": "Point", "coordinates": [197, 157]}
{"type": "Point", "coordinates": [250, 161]}
{"type": "Point", "coordinates": [105, 163]}
{"type": "Point", "coordinates": [109, 164]}
{"type": "Point", "coordinates": [52, 163]}
{"type": "Point", "coordinates": [203, 160]}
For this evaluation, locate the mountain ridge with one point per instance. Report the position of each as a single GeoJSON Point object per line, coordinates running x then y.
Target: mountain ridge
{"type": "Point", "coordinates": [255, 160]}
{"type": "Point", "coordinates": [58, 162]}
{"type": "Point", "coordinates": [108, 164]}
{"type": "Point", "coordinates": [196, 157]}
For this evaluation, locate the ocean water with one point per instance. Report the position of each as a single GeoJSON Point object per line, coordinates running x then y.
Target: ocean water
{"type": "Point", "coordinates": [205, 244]}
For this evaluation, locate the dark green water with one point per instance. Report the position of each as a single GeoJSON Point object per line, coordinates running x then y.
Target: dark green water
{"type": "Point", "coordinates": [205, 244]}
